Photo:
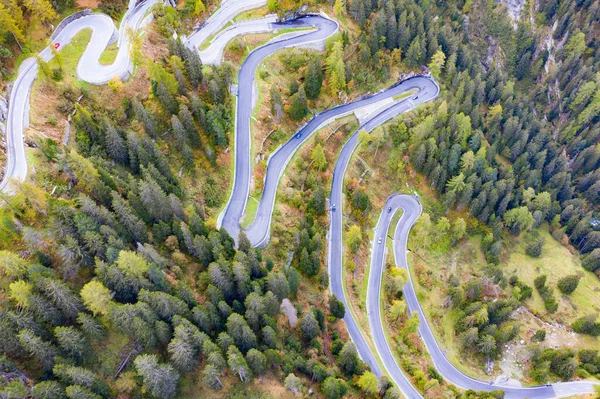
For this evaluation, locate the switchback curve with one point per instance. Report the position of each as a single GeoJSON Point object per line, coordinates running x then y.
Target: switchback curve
{"type": "Point", "coordinates": [411, 210]}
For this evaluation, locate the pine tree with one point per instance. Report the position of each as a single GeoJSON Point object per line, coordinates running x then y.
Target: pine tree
{"type": "Point", "coordinates": [72, 375]}
{"type": "Point", "coordinates": [314, 78]}
{"type": "Point", "coordinates": [276, 104]}
{"type": "Point", "coordinates": [145, 119]}
{"type": "Point", "coordinates": [166, 306]}
{"type": "Point", "coordinates": [413, 54]}
{"type": "Point", "coordinates": [79, 392]}
{"type": "Point", "coordinates": [240, 331]}
{"type": "Point", "coordinates": [115, 144]}
{"type": "Point", "coordinates": [193, 137]}
{"type": "Point", "coordinates": [237, 363]}
{"type": "Point", "coordinates": [160, 380]}
{"type": "Point", "coordinates": [224, 341]}
{"type": "Point", "coordinates": [127, 217]}
{"type": "Point", "coordinates": [212, 377]}
{"type": "Point", "coordinates": [155, 200]}
{"type": "Point", "coordinates": [166, 98]}
{"type": "Point", "coordinates": [44, 351]}
{"type": "Point", "coordinates": [278, 284]}
{"type": "Point", "coordinates": [348, 358]}
{"type": "Point", "coordinates": [257, 362]}
{"type": "Point", "coordinates": [61, 296]}
{"type": "Point", "coordinates": [49, 390]}
{"type": "Point", "coordinates": [568, 284]}
{"type": "Point", "coordinates": [293, 279]}
{"type": "Point", "coordinates": [244, 244]}
{"type": "Point", "coordinates": [181, 351]}
{"type": "Point", "coordinates": [72, 342]}
{"type": "Point", "coordinates": [255, 309]}
{"type": "Point", "coordinates": [332, 388]}
{"type": "Point", "coordinates": [298, 107]}
{"type": "Point", "coordinates": [91, 327]}
{"type": "Point", "coordinates": [193, 65]}
{"type": "Point", "coordinates": [336, 307]}
{"type": "Point", "coordinates": [309, 326]}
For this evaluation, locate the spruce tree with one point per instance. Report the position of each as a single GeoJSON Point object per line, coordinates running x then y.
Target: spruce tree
{"type": "Point", "coordinates": [298, 108]}
{"type": "Point", "coordinates": [160, 380]}
{"type": "Point", "coordinates": [314, 78]}
{"type": "Point", "coordinates": [115, 144]}
{"type": "Point", "coordinates": [193, 137]}
{"type": "Point", "coordinates": [44, 351]}
{"type": "Point", "coordinates": [128, 218]}
{"type": "Point", "coordinates": [237, 363]}
{"type": "Point", "coordinates": [166, 98]}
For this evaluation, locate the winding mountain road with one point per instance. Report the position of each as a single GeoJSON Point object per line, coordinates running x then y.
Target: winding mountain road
{"type": "Point", "coordinates": [89, 69]}
{"type": "Point", "coordinates": [259, 230]}
{"type": "Point", "coordinates": [230, 217]}
{"type": "Point", "coordinates": [411, 210]}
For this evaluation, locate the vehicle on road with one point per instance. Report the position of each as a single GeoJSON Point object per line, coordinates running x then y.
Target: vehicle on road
{"type": "Point", "coordinates": [390, 209]}
{"type": "Point", "coordinates": [415, 97]}
{"type": "Point", "coordinates": [298, 135]}
{"type": "Point", "coordinates": [333, 208]}
{"type": "Point", "coordinates": [379, 240]}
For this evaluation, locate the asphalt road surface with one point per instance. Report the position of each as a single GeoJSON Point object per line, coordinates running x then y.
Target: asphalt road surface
{"type": "Point", "coordinates": [230, 218]}
{"type": "Point", "coordinates": [224, 14]}
{"type": "Point", "coordinates": [411, 210]}
{"type": "Point", "coordinates": [428, 90]}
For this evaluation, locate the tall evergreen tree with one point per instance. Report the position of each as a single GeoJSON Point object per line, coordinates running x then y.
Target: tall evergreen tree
{"type": "Point", "coordinates": [314, 78]}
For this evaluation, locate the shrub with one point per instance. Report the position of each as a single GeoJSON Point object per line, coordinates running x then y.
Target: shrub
{"type": "Point", "coordinates": [550, 304]}
{"type": "Point", "coordinates": [540, 281]}
{"type": "Point", "coordinates": [588, 355]}
{"type": "Point", "coordinates": [534, 249]}
{"type": "Point", "coordinates": [539, 336]}
{"type": "Point", "coordinates": [587, 325]}
{"type": "Point", "coordinates": [57, 74]}
{"type": "Point", "coordinates": [568, 284]}
{"type": "Point", "coordinates": [336, 307]}
{"type": "Point", "coordinates": [591, 262]}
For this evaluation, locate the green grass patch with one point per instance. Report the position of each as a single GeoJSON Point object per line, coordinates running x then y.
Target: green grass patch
{"type": "Point", "coordinates": [70, 54]}
{"type": "Point", "coordinates": [405, 94]}
{"type": "Point", "coordinates": [205, 44]}
{"type": "Point", "coordinates": [250, 212]}
{"type": "Point", "coordinates": [109, 55]}
{"type": "Point", "coordinates": [252, 14]}
{"type": "Point", "coordinates": [556, 262]}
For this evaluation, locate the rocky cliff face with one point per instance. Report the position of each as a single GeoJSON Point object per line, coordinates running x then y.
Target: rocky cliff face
{"type": "Point", "coordinates": [514, 7]}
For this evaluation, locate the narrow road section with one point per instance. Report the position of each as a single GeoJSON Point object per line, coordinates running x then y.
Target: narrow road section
{"type": "Point", "coordinates": [411, 210]}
